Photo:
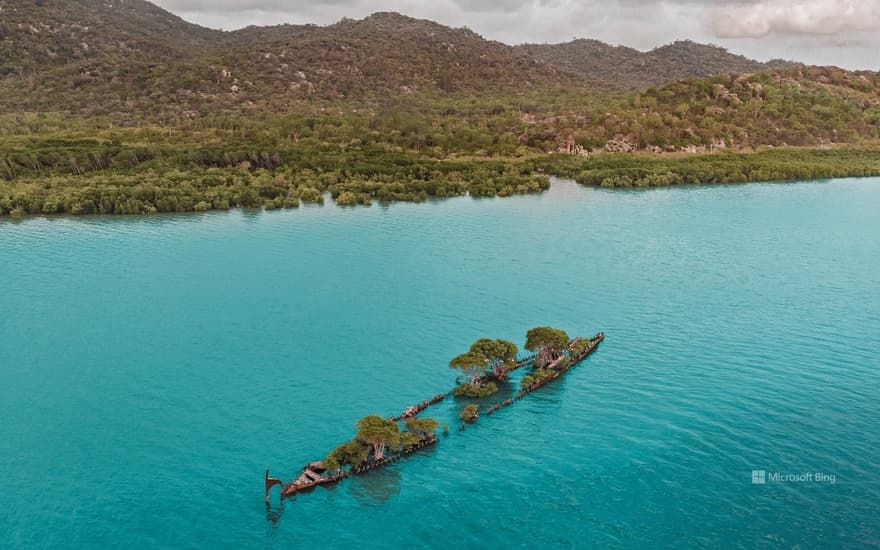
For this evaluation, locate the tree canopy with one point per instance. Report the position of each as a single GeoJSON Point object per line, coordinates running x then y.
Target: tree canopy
{"type": "Point", "coordinates": [497, 353]}
{"type": "Point", "coordinates": [422, 427]}
{"type": "Point", "coordinates": [409, 440]}
{"type": "Point", "coordinates": [581, 346]}
{"type": "Point", "coordinates": [471, 364]}
{"type": "Point", "coordinates": [351, 453]}
{"type": "Point", "coordinates": [551, 338]}
{"type": "Point", "coordinates": [378, 432]}
{"type": "Point", "coordinates": [547, 342]}
{"type": "Point", "coordinates": [469, 413]}
{"type": "Point", "coordinates": [486, 353]}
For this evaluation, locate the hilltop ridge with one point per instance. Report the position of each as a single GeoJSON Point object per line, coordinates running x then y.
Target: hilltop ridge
{"type": "Point", "coordinates": [628, 67]}
{"type": "Point", "coordinates": [128, 58]}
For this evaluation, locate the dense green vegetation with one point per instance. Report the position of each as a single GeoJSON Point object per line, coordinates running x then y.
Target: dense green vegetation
{"type": "Point", "coordinates": [547, 343]}
{"type": "Point", "coordinates": [580, 346]}
{"type": "Point", "coordinates": [552, 354]}
{"type": "Point", "coordinates": [475, 391]}
{"type": "Point", "coordinates": [422, 427]}
{"type": "Point", "coordinates": [472, 365]}
{"type": "Point", "coordinates": [379, 433]}
{"type": "Point", "coordinates": [144, 171]}
{"type": "Point", "coordinates": [493, 359]}
{"type": "Point", "coordinates": [625, 171]}
{"type": "Point", "coordinates": [374, 437]}
{"type": "Point", "coordinates": [470, 413]}
{"type": "Point", "coordinates": [118, 107]}
{"type": "Point", "coordinates": [441, 145]}
{"type": "Point", "coordinates": [350, 453]}
{"type": "Point", "coordinates": [486, 359]}
{"type": "Point", "coordinates": [538, 376]}
{"type": "Point", "coordinates": [499, 355]}
{"type": "Point", "coordinates": [150, 173]}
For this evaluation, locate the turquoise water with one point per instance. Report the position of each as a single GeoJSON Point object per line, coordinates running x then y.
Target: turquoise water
{"type": "Point", "coordinates": [153, 367]}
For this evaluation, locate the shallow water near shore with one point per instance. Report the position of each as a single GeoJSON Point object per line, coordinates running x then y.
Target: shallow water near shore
{"type": "Point", "coordinates": [153, 367]}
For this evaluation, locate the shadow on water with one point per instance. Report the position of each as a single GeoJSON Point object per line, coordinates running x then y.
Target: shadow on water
{"type": "Point", "coordinates": [377, 486]}
{"type": "Point", "coordinates": [274, 513]}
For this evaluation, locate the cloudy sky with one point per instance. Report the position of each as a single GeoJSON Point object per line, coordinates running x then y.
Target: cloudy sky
{"type": "Point", "coordinates": [827, 32]}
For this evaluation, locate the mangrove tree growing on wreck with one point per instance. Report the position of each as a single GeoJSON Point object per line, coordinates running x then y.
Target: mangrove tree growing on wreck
{"type": "Point", "coordinates": [470, 413]}
{"type": "Point", "coordinates": [547, 343]}
{"type": "Point", "coordinates": [351, 453]}
{"type": "Point", "coordinates": [581, 346]}
{"type": "Point", "coordinates": [472, 364]}
{"type": "Point", "coordinates": [408, 440]}
{"type": "Point", "coordinates": [535, 378]}
{"type": "Point", "coordinates": [423, 428]}
{"type": "Point", "coordinates": [379, 433]}
{"type": "Point", "coordinates": [499, 355]}
{"type": "Point", "coordinates": [486, 358]}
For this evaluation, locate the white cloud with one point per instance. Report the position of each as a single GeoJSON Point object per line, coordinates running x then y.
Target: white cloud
{"type": "Point", "coordinates": [758, 28]}
{"type": "Point", "coordinates": [822, 17]}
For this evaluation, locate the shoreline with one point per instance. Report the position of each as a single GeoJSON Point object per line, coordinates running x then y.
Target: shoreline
{"type": "Point", "coordinates": [199, 190]}
{"type": "Point", "coordinates": [252, 211]}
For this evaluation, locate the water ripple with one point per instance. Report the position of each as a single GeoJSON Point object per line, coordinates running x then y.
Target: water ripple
{"type": "Point", "coordinates": [153, 367]}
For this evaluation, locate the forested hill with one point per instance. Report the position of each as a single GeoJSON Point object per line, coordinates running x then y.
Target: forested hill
{"type": "Point", "coordinates": [623, 66]}
{"type": "Point", "coordinates": [385, 54]}
{"type": "Point", "coordinates": [421, 85]}
{"type": "Point", "coordinates": [38, 36]}
{"type": "Point", "coordinates": [116, 106]}
{"type": "Point", "coordinates": [108, 57]}
{"type": "Point", "coordinates": [131, 59]}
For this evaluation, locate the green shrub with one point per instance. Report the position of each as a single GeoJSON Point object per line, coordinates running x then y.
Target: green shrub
{"type": "Point", "coordinates": [469, 390]}
{"type": "Point", "coordinates": [470, 413]}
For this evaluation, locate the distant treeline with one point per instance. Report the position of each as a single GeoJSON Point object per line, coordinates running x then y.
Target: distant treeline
{"type": "Point", "coordinates": [624, 171]}
{"type": "Point", "coordinates": [89, 176]}
{"type": "Point", "coordinates": [52, 168]}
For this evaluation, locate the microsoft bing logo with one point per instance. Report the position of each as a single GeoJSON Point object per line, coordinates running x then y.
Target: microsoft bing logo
{"type": "Point", "coordinates": [759, 477]}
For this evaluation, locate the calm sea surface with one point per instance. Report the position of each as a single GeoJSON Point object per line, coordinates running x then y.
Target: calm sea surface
{"type": "Point", "coordinates": [151, 368]}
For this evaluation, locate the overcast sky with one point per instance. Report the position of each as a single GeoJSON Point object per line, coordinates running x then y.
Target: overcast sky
{"type": "Point", "coordinates": [827, 32]}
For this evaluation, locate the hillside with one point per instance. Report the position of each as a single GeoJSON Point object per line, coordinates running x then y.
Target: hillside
{"type": "Point", "coordinates": [38, 35]}
{"type": "Point", "coordinates": [130, 60]}
{"type": "Point", "coordinates": [91, 57]}
{"type": "Point", "coordinates": [381, 55]}
{"type": "Point", "coordinates": [623, 66]}
{"type": "Point", "coordinates": [116, 106]}
{"type": "Point", "coordinates": [801, 106]}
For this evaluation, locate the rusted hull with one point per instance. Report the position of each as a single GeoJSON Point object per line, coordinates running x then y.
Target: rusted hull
{"type": "Point", "coordinates": [293, 487]}
{"type": "Point", "coordinates": [308, 481]}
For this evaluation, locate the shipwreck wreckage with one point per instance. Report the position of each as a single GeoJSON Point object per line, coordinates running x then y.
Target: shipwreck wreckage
{"type": "Point", "coordinates": [315, 473]}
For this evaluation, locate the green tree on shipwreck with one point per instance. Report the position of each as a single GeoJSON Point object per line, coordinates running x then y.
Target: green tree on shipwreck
{"type": "Point", "coordinates": [408, 440]}
{"type": "Point", "coordinates": [423, 428]}
{"type": "Point", "coordinates": [470, 413]}
{"type": "Point", "coordinates": [350, 453]}
{"type": "Point", "coordinates": [495, 356]}
{"type": "Point", "coordinates": [499, 355]}
{"type": "Point", "coordinates": [380, 433]}
{"type": "Point", "coordinates": [471, 364]}
{"type": "Point", "coordinates": [548, 343]}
